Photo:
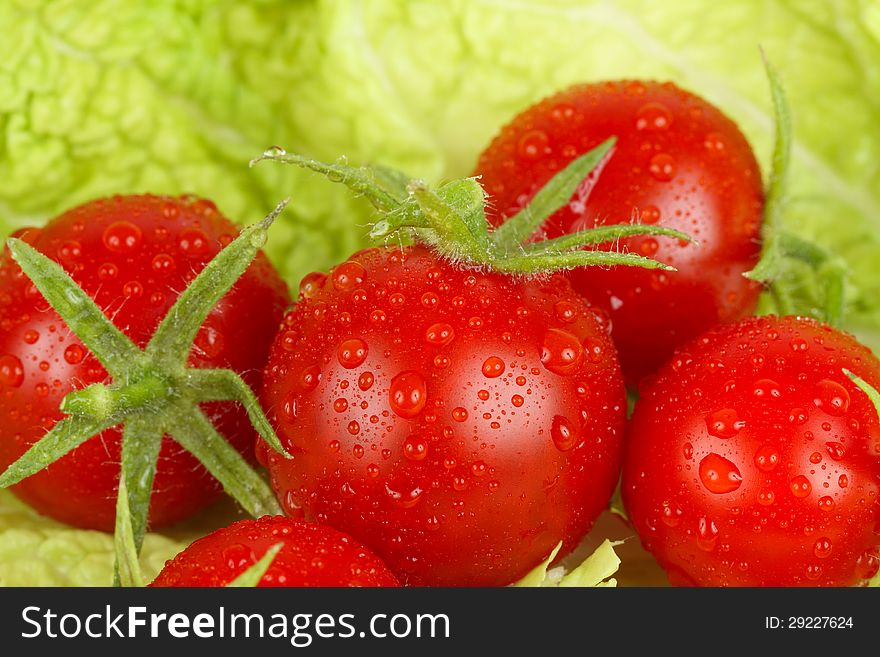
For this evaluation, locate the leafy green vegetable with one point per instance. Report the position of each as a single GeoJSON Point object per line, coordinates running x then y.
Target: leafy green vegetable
{"type": "Point", "coordinates": [595, 570]}
{"type": "Point", "coordinates": [109, 96]}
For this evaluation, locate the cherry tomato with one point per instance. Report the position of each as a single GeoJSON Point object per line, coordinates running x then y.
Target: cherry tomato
{"type": "Point", "coordinates": [678, 162]}
{"type": "Point", "coordinates": [459, 423]}
{"type": "Point", "coordinates": [311, 555]}
{"type": "Point", "coordinates": [753, 460]}
{"type": "Point", "coordinates": [133, 255]}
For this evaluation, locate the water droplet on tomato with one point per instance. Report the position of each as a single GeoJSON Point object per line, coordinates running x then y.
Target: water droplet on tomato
{"type": "Point", "coordinates": [662, 167]}
{"type": "Point", "coordinates": [209, 341]}
{"type": "Point", "coordinates": [533, 145]}
{"type": "Point", "coordinates": [107, 272]}
{"type": "Point", "coordinates": [351, 353]}
{"type": "Point", "coordinates": [407, 394]}
{"type": "Point", "coordinates": [122, 237]}
{"type": "Point", "coordinates": [561, 352]}
{"type": "Point", "coordinates": [70, 252]}
{"type": "Point", "coordinates": [162, 263]}
{"type": "Point", "coordinates": [835, 450]}
{"type": "Point", "coordinates": [822, 547]}
{"type": "Point", "coordinates": [311, 283]}
{"type": "Point", "coordinates": [766, 458]}
{"type": "Point", "coordinates": [310, 377]}
{"type": "Point", "coordinates": [650, 214]}
{"type": "Point", "coordinates": [439, 334]}
{"type": "Point", "coordinates": [766, 389]}
{"type": "Point", "coordinates": [365, 381]}
{"type": "Point", "coordinates": [724, 423]}
{"type": "Point", "coordinates": [831, 397]}
{"type": "Point", "coordinates": [11, 371]}
{"type": "Point", "coordinates": [670, 514]}
{"type": "Point", "coordinates": [415, 448]}
{"type": "Point", "coordinates": [826, 503]}
{"type": "Point", "coordinates": [30, 336]}
{"type": "Point", "coordinates": [649, 247]}
{"type": "Point", "coordinates": [800, 486]}
{"type": "Point", "coordinates": [459, 414]}
{"type": "Point", "coordinates": [348, 275]}
{"type": "Point", "coordinates": [74, 354]}
{"type": "Point", "coordinates": [563, 433]}
{"type": "Point", "coordinates": [404, 495]}
{"type": "Point", "coordinates": [493, 367]}
{"type": "Point", "coordinates": [340, 405]}
{"type": "Point", "coordinates": [687, 451]}
{"type": "Point", "coordinates": [517, 400]}
{"type": "Point", "coordinates": [238, 555]}
{"type": "Point", "coordinates": [843, 481]}
{"type": "Point", "coordinates": [192, 242]}
{"type": "Point", "coordinates": [653, 116]}
{"type": "Point", "coordinates": [718, 474]}
{"type": "Point", "coordinates": [291, 504]}
{"type": "Point", "coordinates": [766, 497]}
{"type": "Point", "coordinates": [565, 311]}
{"type": "Point", "coordinates": [707, 534]}
{"type": "Point", "coordinates": [797, 416]}
{"type": "Point", "coordinates": [132, 290]}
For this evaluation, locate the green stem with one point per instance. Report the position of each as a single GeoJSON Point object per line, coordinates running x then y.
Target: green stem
{"type": "Point", "coordinates": [552, 196]}
{"type": "Point", "coordinates": [103, 402]}
{"type": "Point", "coordinates": [219, 385]}
{"type": "Point", "coordinates": [142, 440]}
{"type": "Point", "coordinates": [776, 188]}
{"type": "Point", "coordinates": [196, 434]}
{"type": "Point", "coordinates": [252, 576]}
{"type": "Point", "coordinates": [127, 569]}
{"type": "Point", "coordinates": [65, 436]}
{"type": "Point", "coordinates": [535, 264]}
{"type": "Point", "coordinates": [109, 345]}
{"type": "Point", "coordinates": [463, 233]}
{"type": "Point", "coordinates": [603, 235]}
{"type": "Point", "coordinates": [171, 343]}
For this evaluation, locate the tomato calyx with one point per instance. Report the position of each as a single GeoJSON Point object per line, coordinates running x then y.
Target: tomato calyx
{"type": "Point", "coordinates": [451, 217]}
{"type": "Point", "coordinates": [153, 392]}
{"type": "Point", "coordinates": [787, 260]}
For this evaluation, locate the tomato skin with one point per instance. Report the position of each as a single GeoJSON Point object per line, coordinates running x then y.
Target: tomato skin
{"type": "Point", "coordinates": [312, 555]}
{"type": "Point", "coordinates": [422, 420]}
{"type": "Point", "coordinates": [752, 460]}
{"type": "Point", "coordinates": [133, 255]}
{"type": "Point", "coordinates": [678, 162]}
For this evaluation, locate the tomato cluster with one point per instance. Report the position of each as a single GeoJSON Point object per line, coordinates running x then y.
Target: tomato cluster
{"type": "Point", "coordinates": [429, 420]}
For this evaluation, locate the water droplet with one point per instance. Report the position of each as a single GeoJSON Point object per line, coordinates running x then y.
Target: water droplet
{"type": "Point", "coordinates": [565, 311]}
{"type": "Point", "coordinates": [403, 495]}
{"type": "Point", "coordinates": [826, 503]}
{"type": "Point", "coordinates": [766, 497]}
{"type": "Point", "coordinates": [163, 263]}
{"type": "Point", "coordinates": [714, 142]}
{"type": "Point", "coordinates": [122, 237]}
{"type": "Point", "coordinates": [70, 252]}
{"type": "Point", "coordinates": [800, 486]}
{"type": "Point", "coordinates": [441, 361]}
{"type": "Point", "coordinates": [561, 352]}
{"type": "Point", "coordinates": [11, 371]}
{"type": "Point", "coordinates": [41, 389]}
{"type": "Point", "coordinates": [292, 506]}
{"type": "Point", "coordinates": [649, 247]}
{"type": "Point", "coordinates": [132, 290]}
{"type": "Point", "coordinates": [843, 481]}
{"type": "Point", "coordinates": [831, 397]}
{"type": "Point", "coordinates": [653, 116]}
{"type": "Point", "coordinates": [396, 300]}
{"type": "Point", "coordinates": [311, 284]}
{"type": "Point", "coordinates": [707, 534]}
{"type": "Point", "coordinates": [238, 555]}
{"type": "Point", "coordinates": [74, 354]}
{"type": "Point", "coordinates": [209, 341]}
{"type": "Point", "coordinates": [797, 416]}
{"type": "Point", "coordinates": [357, 451]}
{"type": "Point", "coordinates": [687, 451]}
{"type": "Point", "coordinates": [107, 272]}
{"type": "Point", "coordinates": [835, 450]}
{"type": "Point", "coordinates": [310, 377]}
{"type": "Point", "coordinates": [415, 448]}
{"type": "Point", "coordinates": [348, 275]}
{"type": "Point", "coordinates": [30, 336]}
{"type": "Point", "coordinates": [533, 145]}
{"type": "Point", "coordinates": [340, 405]}
{"type": "Point", "coordinates": [439, 334]}
{"type": "Point", "coordinates": [766, 458]}
{"type": "Point", "coordinates": [192, 242]}
{"type": "Point", "coordinates": [822, 548]}
{"type": "Point", "coordinates": [813, 571]}
{"type": "Point", "coordinates": [815, 458]}
{"type": "Point", "coordinates": [517, 400]}
{"type": "Point", "coordinates": [563, 433]}
{"type": "Point", "coordinates": [351, 353]}
{"type": "Point", "coordinates": [289, 407]}
{"type": "Point", "coordinates": [483, 394]}
{"type": "Point", "coordinates": [670, 514]}
{"type": "Point", "coordinates": [662, 167]}
{"type": "Point", "coordinates": [718, 474]}
{"type": "Point", "coordinates": [365, 381]}
{"type": "Point", "coordinates": [493, 367]}
{"type": "Point", "coordinates": [766, 389]}
{"type": "Point", "coordinates": [650, 214]}
{"type": "Point", "coordinates": [724, 423]}
{"type": "Point", "coordinates": [274, 151]}
{"type": "Point", "coordinates": [459, 414]}
{"type": "Point", "coordinates": [408, 394]}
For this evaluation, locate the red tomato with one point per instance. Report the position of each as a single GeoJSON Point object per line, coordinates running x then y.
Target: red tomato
{"type": "Point", "coordinates": [752, 460]}
{"type": "Point", "coordinates": [312, 555]}
{"type": "Point", "coordinates": [133, 255]}
{"type": "Point", "coordinates": [459, 423]}
{"type": "Point", "coordinates": [679, 162]}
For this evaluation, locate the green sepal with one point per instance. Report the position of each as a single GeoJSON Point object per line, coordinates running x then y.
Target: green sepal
{"type": "Point", "coordinates": [252, 576]}
{"type": "Point", "coordinates": [127, 569]}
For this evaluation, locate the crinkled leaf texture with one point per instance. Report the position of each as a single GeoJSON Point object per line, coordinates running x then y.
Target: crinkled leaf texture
{"type": "Point", "coordinates": [594, 571]}
{"type": "Point", "coordinates": [110, 96]}
{"type": "Point", "coordinates": [37, 551]}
